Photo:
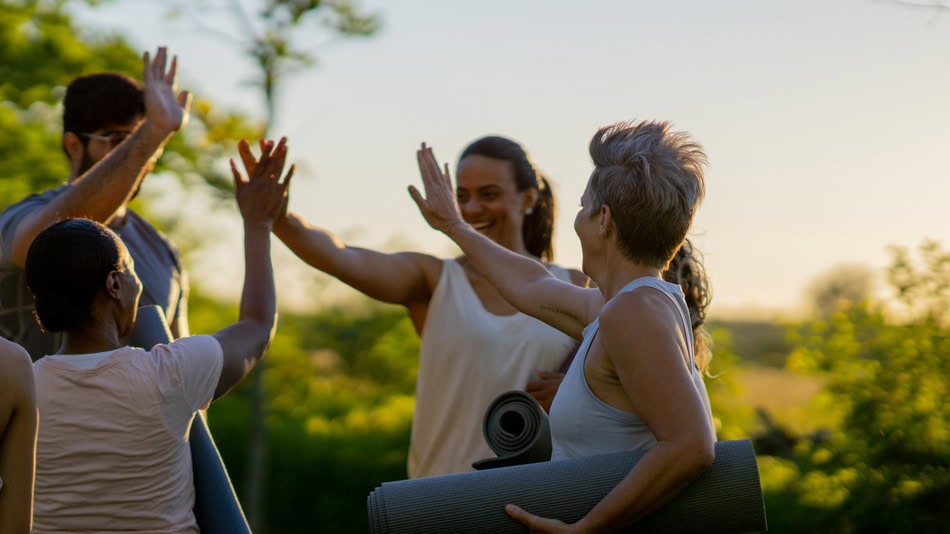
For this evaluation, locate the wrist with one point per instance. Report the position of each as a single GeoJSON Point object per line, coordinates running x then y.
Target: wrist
{"type": "Point", "coordinates": [154, 133]}
{"type": "Point", "coordinates": [282, 224]}
{"type": "Point", "coordinates": [259, 225]}
{"type": "Point", "coordinates": [455, 227]}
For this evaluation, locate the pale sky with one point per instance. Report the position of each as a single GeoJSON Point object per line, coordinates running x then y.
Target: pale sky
{"type": "Point", "coordinates": [825, 121]}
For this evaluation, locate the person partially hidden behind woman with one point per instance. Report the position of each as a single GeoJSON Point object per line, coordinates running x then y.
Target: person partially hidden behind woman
{"type": "Point", "coordinates": [474, 345]}
{"type": "Point", "coordinates": [112, 451]}
{"type": "Point", "coordinates": [17, 438]}
{"type": "Point", "coordinates": [634, 383]}
{"type": "Point", "coordinates": [685, 269]}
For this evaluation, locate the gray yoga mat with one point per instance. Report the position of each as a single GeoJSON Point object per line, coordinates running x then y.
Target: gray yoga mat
{"type": "Point", "coordinates": [726, 498]}
{"type": "Point", "coordinates": [217, 509]}
{"type": "Point", "coordinates": [516, 429]}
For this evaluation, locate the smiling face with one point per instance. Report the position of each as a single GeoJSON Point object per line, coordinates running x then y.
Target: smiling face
{"type": "Point", "coordinates": [490, 201]}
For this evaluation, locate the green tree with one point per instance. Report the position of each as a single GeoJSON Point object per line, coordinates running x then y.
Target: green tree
{"type": "Point", "coordinates": [267, 34]}
{"type": "Point", "coordinates": [886, 467]}
{"type": "Point", "coordinates": [340, 387]}
{"type": "Point", "coordinates": [41, 50]}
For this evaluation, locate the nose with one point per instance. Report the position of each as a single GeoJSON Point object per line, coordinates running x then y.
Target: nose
{"type": "Point", "coordinates": [471, 205]}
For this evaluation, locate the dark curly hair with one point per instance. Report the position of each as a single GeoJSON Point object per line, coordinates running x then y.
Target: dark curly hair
{"type": "Point", "coordinates": [687, 270]}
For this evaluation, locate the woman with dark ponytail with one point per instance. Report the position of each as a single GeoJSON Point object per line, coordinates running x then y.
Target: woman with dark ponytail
{"type": "Point", "coordinates": [474, 345]}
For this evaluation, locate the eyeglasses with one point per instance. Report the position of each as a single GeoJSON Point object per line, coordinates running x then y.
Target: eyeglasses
{"type": "Point", "coordinates": [113, 138]}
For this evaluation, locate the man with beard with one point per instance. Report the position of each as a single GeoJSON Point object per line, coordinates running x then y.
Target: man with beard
{"type": "Point", "coordinates": [114, 130]}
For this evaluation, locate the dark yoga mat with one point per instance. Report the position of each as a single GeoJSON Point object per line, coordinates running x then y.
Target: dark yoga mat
{"type": "Point", "coordinates": [726, 498]}
{"type": "Point", "coordinates": [217, 508]}
{"type": "Point", "coordinates": [516, 428]}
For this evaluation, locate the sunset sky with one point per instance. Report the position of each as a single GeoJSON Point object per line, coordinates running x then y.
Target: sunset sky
{"type": "Point", "coordinates": [826, 122]}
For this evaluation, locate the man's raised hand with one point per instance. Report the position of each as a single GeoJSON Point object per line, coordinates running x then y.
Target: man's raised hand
{"type": "Point", "coordinates": [165, 110]}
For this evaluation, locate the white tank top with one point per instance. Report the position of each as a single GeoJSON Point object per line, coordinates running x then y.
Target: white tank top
{"type": "Point", "coordinates": [468, 357]}
{"type": "Point", "coordinates": [582, 424]}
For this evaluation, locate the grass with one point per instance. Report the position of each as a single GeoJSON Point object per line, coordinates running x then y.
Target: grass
{"type": "Point", "coordinates": [789, 399]}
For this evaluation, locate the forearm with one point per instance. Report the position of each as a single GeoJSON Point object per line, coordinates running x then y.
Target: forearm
{"type": "Point", "coordinates": [258, 299]}
{"type": "Point", "coordinates": [398, 278]}
{"type": "Point", "coordinates": [109, 184]}
{"type": "Point", "coordinates": [98, 193]}
{"type": "Point", "coordinates": [510, 273]}
{"type": "Point", "coordinates": [656, 479]}
{"type": "Point", "coordinates": [318, 247]}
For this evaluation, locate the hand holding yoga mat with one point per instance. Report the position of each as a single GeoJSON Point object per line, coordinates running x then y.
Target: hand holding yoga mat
{"type": "Point", "coordinates": [516, 428]}
{"type": "Point", "coordinates": [217, 509]}
{"type": "Point", "coordinates": [726, 498]}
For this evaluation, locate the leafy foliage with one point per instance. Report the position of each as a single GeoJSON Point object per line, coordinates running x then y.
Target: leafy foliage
{"type": "Point", "coordinates": [340, 388]}
{"type": "Point", "coordinates": [41, 50]}
{"type": "Point", "coordinates": [886, 467]}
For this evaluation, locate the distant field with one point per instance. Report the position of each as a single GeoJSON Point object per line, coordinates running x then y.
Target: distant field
{"type": "Point", "coordinates": [787, 397]}
{"type": "Point", "coordinates": [759, 342]}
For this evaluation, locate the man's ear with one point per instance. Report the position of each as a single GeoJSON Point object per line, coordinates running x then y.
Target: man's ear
{"type": "Point", "coordinates": [74, 148]}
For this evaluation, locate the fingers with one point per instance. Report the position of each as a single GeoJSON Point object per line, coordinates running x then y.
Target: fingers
{"type": "Point", "coordinates": [517, 513]}
{"type": "Point", "coordinates": [549, 375]}
{"type": "Point", "coordinates": [239, 181]}
{"type": "Point", "coordinates": [244, 151]}
{"type": "Point", "coordinates": [184, 100]}
{"type": "Point", "coordinates": [146, 60]}
{"type": "Point", "coordinates": [158, 65]}
{"type": "Point", "coordinates": [429, 168]}
{"type": "Point", "coordinates": [154, 69]}
{"type": "Point", "coordinates": [418, 198]}
{"type": "Point", "coordinates": [534, 386]}
{"type": "Point", "coordinates": [272, 161]}
{"type": "Point", "coordinates": [171, 77]}
{"type": "Point", "coordinates": [266, 145]}
{"type": "Point", "coordinates": [290, 174]}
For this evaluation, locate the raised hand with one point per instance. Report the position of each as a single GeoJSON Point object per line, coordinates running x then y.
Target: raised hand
{"type": "Point", "coordinates": [164, 109]}
{"type": "Point", "coordinates": [262, 196]}
{"type": "Point", "coordinates": [439, 205]}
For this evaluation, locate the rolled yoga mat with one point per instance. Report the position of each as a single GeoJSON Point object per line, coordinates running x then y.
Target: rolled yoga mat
{"type": "Point", "coordinates": [726, 498]}
{"type": "Point", "coordinates": [516, 428]}
{"type": "Point", "coordinates": [217, 509]}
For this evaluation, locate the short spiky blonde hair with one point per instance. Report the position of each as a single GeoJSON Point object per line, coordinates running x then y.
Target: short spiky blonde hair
{"type": "Point", "coordinates": [652, 180]}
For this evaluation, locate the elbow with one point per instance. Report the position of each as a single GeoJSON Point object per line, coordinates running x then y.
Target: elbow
{"type": "Point", "coordinates": [701, 455]}
{"type": "Point", "coordinates": [694, 454]}
{"type": "Point", "coordinates": [267, 332]}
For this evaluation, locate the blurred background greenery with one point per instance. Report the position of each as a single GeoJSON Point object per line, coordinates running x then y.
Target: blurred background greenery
{"type": "Point", "coordinates": [846, 405]}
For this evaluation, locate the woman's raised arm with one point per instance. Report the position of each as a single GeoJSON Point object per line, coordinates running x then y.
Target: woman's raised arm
{"type": "Point", "coordinates": [524, 282]}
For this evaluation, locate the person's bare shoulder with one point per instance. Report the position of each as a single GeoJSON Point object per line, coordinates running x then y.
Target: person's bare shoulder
{"type": "Point", "coordinates": [16, 368]}
{"type": "Point", "coordinates": [643, 317]}
{"type": "Point", "coordinates": [580, 279]}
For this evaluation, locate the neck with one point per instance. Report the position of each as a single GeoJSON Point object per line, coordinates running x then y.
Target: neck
{"type": "Point", "coordinates": [88, 342]}
{"type": "Point", "coordinates": [619, 271]}
{"type": "Point", "coordinates": [100, 335]}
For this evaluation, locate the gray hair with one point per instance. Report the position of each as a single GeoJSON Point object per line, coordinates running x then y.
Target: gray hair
{"type": "Point", "coordinates": [652, 180]}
